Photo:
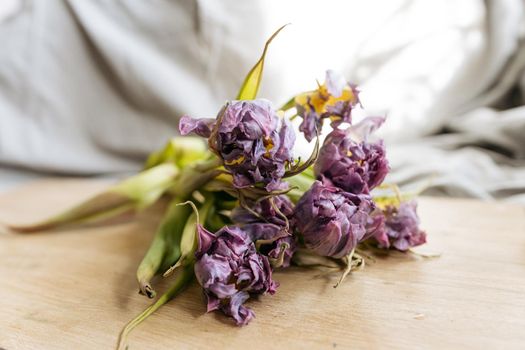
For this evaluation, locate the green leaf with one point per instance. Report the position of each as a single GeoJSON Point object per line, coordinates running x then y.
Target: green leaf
{"type": "Point", "coordinates": [147, 186]}
{"type": "Point", "coordinates": [136, 192]}
{"type": "Point", "coordinates": [251, 83]}
{"type": "Point", "coordinates": [182, 151]}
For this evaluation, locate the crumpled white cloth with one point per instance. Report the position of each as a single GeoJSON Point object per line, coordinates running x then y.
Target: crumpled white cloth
{"type": "Point", "coordinates": [91, 87]}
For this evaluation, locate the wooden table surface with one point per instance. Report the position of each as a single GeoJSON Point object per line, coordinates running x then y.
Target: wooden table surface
{"type": "Point", "coordinates": [75, 289]}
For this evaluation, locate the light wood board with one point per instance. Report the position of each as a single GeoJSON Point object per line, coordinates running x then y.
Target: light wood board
{"type": "Point", "coordinates": [75, 289]}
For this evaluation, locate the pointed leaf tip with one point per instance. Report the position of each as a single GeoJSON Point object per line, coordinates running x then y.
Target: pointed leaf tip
{"type": "Point", "coordinates": [251, 83]}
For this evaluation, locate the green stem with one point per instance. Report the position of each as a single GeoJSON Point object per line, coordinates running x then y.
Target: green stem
{"type": "Point", "coordinates": [164, 250]}
{"type": "Point", "coordinates": [189, 239]}
{"type": "Point", "coordinates": [299, 168]}
{"type": "Point", "coordinates": [289, 104]}
{"type": "Point", "coordinates": [181, 281]}
{"type": "Point", "coordinates": [210, 164]}
{"type": "Point", "coordinates": [193, 178]}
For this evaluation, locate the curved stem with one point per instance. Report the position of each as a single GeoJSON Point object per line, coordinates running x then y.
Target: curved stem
{"type": "Point", "coordinates": [181, 281]}
{"type": "Point", "coordinates": [299, 168]}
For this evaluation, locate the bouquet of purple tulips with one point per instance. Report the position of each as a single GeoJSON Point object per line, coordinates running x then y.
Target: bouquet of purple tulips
{"type": "Point", "coordinates": [241, 206]}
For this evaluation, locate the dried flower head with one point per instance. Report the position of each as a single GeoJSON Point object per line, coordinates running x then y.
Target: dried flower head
{"type": "Point", "coordinates": [335, 99]}
{"type": "Point", "coordinates": [229, 269]}
{"type": "Point", "coordinates": [331, 221]}
{"type": "Point", "coordinates": [401, 229]}
{"type": "Point", "coordinates": [254, 143]}
{"type": "Point", "coordinates": [349, 161]}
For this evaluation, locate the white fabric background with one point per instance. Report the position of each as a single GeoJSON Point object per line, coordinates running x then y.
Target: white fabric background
{"type": "Point", "coordinates": [91, 87]}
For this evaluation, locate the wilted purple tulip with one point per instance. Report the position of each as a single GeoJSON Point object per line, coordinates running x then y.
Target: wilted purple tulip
{"type": "Point", "coordinates": [268, 223]}
{"type": "Point", "coordinates": [335, 99]}
{"type": "Point", "coordinates": [349, 161]}
{"type": "Point", "coordinates": [401, 227]}
{"type": "Point", "coordinates": [229, 269]}
{"type": "Point", "coordinates": [254, 143]}
{"type": "Point", "coordinates": [331, 221]}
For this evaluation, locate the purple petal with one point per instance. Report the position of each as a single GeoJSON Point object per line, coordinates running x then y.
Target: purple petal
{"type": "Point", "coordinates": [362, 130]}
{"type": "Point", "coordinates": [335, 83]}
{"type": "Point", "coordinates": [311, 124]}
{"type": "Point", "coordinates": [201, 127]}
{"type": "Point", "coordinates": [205, 240]}
{"type": "Point", "coordinates": [241, 314]}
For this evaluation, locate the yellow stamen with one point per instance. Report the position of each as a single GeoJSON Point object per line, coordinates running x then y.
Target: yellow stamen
{"type": "Point", "coordinates": [268, 145]}
{"type": "Point", "coordinates": [320, 98]}
{"type": "Point", "coordinates": [235, 161]}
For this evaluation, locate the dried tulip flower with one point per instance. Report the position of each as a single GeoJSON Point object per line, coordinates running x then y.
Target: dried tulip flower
{"type": "Point", "coordinates": [331, 221]}
{"type": "Point", "coordinates": [348, 160]}
{"type": "Point", "coordinates": [230, 270]}
{"type": "Point", "coordinates": [254, 143]}
{"type": "Point", "coordinates": [334, 100]}
{"type": "Point", "coordinates": [401, 229]}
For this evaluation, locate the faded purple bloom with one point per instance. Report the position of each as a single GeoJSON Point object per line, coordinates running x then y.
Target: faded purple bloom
{"type": "Point", "coordinates": [401, 227]}
{"type": "Point", "coordinates": [347, 160]}
{"type": "Point", "coordinates": [253, 141]}
{"type": "Point", "coordinates": [229, 269]}
{"type": "Point", "coordinates": [268, 224]}
{"type": "Point", "coordinates": [335, 99]}
{"type": "Point", "coordinates": [331, 221]}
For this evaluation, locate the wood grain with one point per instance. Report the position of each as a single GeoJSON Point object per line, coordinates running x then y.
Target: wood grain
{"type": "Point", "coordinates": [75, 289]}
